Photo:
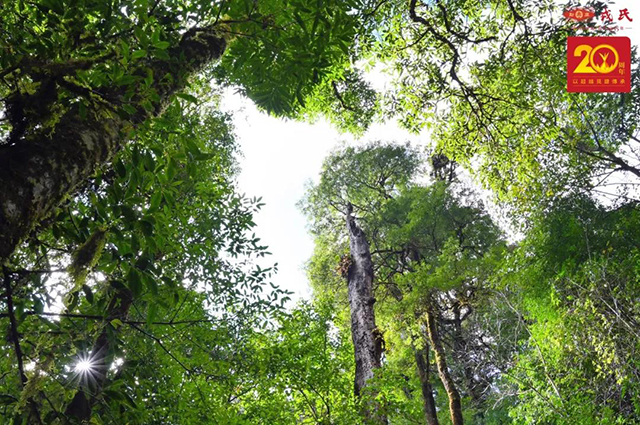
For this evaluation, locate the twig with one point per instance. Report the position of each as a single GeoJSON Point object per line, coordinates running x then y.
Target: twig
{"type": "Point", "coordinates": [165, 349]}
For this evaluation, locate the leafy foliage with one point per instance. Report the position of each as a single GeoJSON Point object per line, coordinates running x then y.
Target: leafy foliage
{"type": "Point", "coordinates": [573, 282]}
{"type": "Point", "coordinates": [137, 300]}
{"type": "Point", "coordinates": [177, 240]}
{"type": "Point", "coordinates": [489, 80]}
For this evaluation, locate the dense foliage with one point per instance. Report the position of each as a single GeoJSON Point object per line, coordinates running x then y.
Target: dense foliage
{"type": "Point", "coordinates": [130, 291]}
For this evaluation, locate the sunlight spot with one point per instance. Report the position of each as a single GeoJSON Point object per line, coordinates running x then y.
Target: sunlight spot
{"type": "Point", "coordinates": [83, 366]}
{"type": "Point", "coordinates": [116, 363]}
{"type": "Point", "coordinates": [87, 369]}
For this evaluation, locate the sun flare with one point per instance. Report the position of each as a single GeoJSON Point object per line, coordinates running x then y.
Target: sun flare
{"type": "Point", "coordinates": [83, 366]}
{"type": "Point", "coordinates": [86, 369]}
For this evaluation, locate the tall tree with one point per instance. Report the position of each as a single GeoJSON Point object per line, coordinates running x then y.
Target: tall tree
{"type": "Point", "coordinates": [360, 181]}
{"type": "Point", "coordinates": [367, 340]}
{"type": "Point", "coordinates": [429, 253]}
{"type": "Point", "coordinates": [572, 283]}
{"type": "Point", "coordinates": [436, 253]}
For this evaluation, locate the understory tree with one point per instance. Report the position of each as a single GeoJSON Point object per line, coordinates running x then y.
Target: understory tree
{"type": "Point", "coordinates": [573, 284]}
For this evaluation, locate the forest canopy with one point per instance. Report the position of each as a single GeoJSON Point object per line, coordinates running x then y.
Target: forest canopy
{"type": "Point", "coordinates": [134, 289]}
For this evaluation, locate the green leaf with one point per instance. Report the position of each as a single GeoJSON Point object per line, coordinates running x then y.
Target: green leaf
{"type": "Point", "coordinates": [133, 282]}
{"type": "Point", "coordinates": [151, 313]}
{"type": "Point", "coordinates": [116, 323]}
{"type": "Point", "coordinates": [88, 293]}
{"type": "Point", "coordinates": [120, 168]}
{"type": "Point", "coordinates": [146, 227]}
{"type": "Point", "coordinates": [156, 199]}
{"type": "Point", "coordinates": [38, 306]}
{"type": "Point", "coordinates": [151, 283]}
{"type": "Point", "coordinates": [161, 54]}
{"type": "Point", "coordinates": [128, 400]}
{"type": "Point", "coordinates": [172, 169]}
{"type": "Point", "coordinates": [162, 45]}
{"type": "Point", "coordinates": [129, 109]}
{"type": "Point", "coordinates": [127, 79]}
{"type": "Point", "coordinates": [187, 97]}
{"type": "Point", "coordinates": [139, 54]}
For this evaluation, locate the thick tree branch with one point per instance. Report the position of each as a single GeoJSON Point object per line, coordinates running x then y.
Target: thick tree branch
{"type": "Point", "coordinates": [465, 37]}
{"type": "Point", "coordinates": [338, 95]}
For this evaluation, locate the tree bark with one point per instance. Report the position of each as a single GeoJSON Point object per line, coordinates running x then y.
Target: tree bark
{"type": "Point", "coordinates": [45, 166]}
{"type": "Point", "coordinates": [455, 405]}
{"type": "Point", "coordinates": [367, 339]}
{"type": "Point", "coordinates": [429, 403]}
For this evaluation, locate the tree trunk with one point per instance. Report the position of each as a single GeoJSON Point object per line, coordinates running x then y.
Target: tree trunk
{"type": "Point", "coordinates": [429, 404]}
{"type": "Point", "coordinates": [367, 339]}
{"type": "Point", "coordinates": [45, 166]}
{"type": "Point", "coordinates": [455, 406]}
{"type": "Point", "coordinates": [461, 350]}
{"type": "Point", "coordinates": [80, 407]}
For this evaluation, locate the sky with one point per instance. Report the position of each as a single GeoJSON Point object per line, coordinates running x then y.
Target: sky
{"type": "Point", "coordinates": [280, 156]}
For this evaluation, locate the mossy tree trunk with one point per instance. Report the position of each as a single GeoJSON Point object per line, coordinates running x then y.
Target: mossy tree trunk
{"type": "Point", "coordinates": [45, 166]}
{"type": "Point", "coordinates": [455, 405]}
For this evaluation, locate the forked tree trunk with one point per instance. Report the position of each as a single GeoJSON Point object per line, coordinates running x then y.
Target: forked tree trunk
{"type": "Point", "coordinates": [47, 165]}
{"type": "Point", "coordinates": [455, 405]}
{"type": "Point", "coordinates": [367, 339]}
{"type": "Point", "coordinates": [428, 402]}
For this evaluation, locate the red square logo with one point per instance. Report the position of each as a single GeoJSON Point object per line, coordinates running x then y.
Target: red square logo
{"type": "Point", "coordinates": [598, 64]}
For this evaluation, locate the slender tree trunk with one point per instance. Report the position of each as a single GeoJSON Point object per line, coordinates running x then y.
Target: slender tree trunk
{"type": "Point", "coordinates": [455, 405]}
{"type": "Point", "coordinates": [429, 403]}
{"type": "Point", "coordinates": [80, 407]}
{"type": "Point", "coordinates": [45, 166]}
{"type": "Point", "coordinates": [474, 388]}
{"type": "Point", "coordinates": [367, 339]}
{"type": "Point", "coordinates": [33, 417]}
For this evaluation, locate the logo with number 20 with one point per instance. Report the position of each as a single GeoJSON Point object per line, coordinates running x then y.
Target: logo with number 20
{"type": "Point", "coordinates": [598, 64]}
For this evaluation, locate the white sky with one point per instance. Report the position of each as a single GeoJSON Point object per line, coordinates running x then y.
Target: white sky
{"type": "Point", "coordinates": [280, 156]}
